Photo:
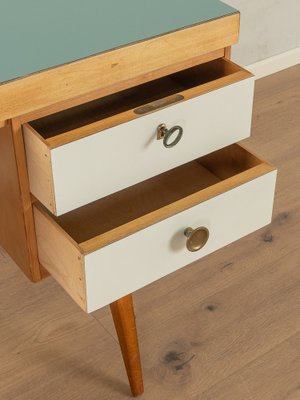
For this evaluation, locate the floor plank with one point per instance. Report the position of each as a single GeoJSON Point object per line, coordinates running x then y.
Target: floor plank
{"type": "Point", "coordinates": [49, 348]}
{"type": "Point", "coordinates": [275, 376]}
{"type": "Point", "coordinates": [225, 327]}
{"type": "Point", "coordinates": [216, 337]}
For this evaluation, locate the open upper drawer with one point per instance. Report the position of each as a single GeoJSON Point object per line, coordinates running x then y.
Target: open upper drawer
{"type": "Point", "coordinates": [87, 152]}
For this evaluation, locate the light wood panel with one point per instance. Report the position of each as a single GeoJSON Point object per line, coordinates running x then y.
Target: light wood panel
{"type": "Point", "coordinates": [16, 220]}
{"type": "Point", "coordinates": [227, 53]}
{"type": "Point", "coordinates": [48, 335]}
{"type": "Point", "coordinates": [39, 167]}
{"type": "Point", "coordinates": [62, 259]}
{"type": "Point", "coordinates": [37, 270]}
{"type": "Point", "coordinates": [230, 161]}
{"type": "Point", "coordinates": [57, 107]}
{"type": "Point", "coordinates": [115, 70]}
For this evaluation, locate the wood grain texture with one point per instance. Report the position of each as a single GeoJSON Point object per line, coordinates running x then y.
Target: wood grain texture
{"type": "Point", "coordinates": [226, 327]}
{"type": "Point", "coordinates": [264, 377]}
{"type": "Point", "coordinates": [16, 221]}
{"type": "Point", "coordinates": [227, 53]}
{"type": "Point", "coordinates": [39, 168]}
{"type": "Point", "coordinates": [78, 101]}
{"type": "Point", "coordinates": [61, 257]}
{"type": "Point", "coordinates": [124, 319]}
{"type": "Point", "coordinates": [3, 124]}
{"type": "Point", "coordinates": [112, 71]}
{"type": "Point", "coordinates": [43, 333]}
{"type": "Point", "coordinates": [37, 270]}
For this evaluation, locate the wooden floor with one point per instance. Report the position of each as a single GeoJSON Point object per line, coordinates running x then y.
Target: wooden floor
{"type": "Point", "coordinates": [224, 328]}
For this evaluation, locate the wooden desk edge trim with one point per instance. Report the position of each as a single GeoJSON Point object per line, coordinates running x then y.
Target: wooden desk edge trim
{"type": "Point", "coordinates": [90, 96]}
{"type": "Point", "coordinates": [78, 82]}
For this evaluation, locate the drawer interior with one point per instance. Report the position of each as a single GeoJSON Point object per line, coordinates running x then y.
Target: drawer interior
{"type": "Point", "coordinates": [127, 211]}
{"type": "Point", "coordinates": [172, 88]}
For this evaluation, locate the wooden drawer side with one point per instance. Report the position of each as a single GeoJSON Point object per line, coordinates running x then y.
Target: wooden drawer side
{"type": "Point", "coordinates": [61, 257]}
{"type": "Point", "coordinates": [77, 173]}
{"type": "Point", "coordinates": [39, 168]}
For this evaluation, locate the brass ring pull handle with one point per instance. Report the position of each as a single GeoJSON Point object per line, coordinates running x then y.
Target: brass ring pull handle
{"type": "Point", "coordinates": [165, 134]}
{"type": "Point", "coordinates": [197, 238]}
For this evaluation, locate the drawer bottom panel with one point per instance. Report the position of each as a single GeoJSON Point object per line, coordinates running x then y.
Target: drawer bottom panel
{"type": "Point", "coordinates": [137, 260]}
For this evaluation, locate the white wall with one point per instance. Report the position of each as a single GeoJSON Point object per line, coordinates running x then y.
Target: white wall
{"type": "Point", "coordinates": [268, 28]}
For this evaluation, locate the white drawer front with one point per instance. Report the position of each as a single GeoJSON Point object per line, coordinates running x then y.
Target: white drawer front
{"type": "Point", "coordinates": [139, 259]}
{"type": "Point", "coordinates": [108, 161]}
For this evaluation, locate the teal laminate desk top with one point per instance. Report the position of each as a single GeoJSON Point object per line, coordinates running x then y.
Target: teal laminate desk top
{"type": "Point", "coordinates": [39, 34]}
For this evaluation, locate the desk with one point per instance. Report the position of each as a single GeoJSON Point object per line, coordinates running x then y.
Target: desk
{"type": "Point", "coordinates": [119, 162]}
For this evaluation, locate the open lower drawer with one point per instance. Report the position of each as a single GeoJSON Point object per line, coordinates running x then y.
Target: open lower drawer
{"type": "Point", "coordinates": [87, 152]}
{"type": "Point", "coordinates": [118, 244]}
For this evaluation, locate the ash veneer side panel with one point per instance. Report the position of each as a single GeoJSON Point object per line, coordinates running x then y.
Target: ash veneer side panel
{"type": "Point", "coordinates": [17, 233]}
{"type": "Point", "coordinates": [39, 167]}
{"type": "Point", "coordinates": [60, 256]}
{"type": "Point", "coordinates": [12, 223]}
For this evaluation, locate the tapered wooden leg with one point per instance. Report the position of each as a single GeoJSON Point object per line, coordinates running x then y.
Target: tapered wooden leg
{"type": "Point", "coordinates": [123, 315]}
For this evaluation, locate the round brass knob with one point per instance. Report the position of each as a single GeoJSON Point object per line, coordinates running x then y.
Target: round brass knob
{"type": "Point", "coordinates": [166, 134]}
{"type": "Point", "coordinates": [197, 238]}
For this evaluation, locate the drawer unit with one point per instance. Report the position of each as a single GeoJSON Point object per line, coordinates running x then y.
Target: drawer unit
{"type": "Point", "coordinates": [120, 157]}
{"type": "Point", "coordinates": [82, 154]}
{"type": "Point", "coordinates": [118, 244]}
